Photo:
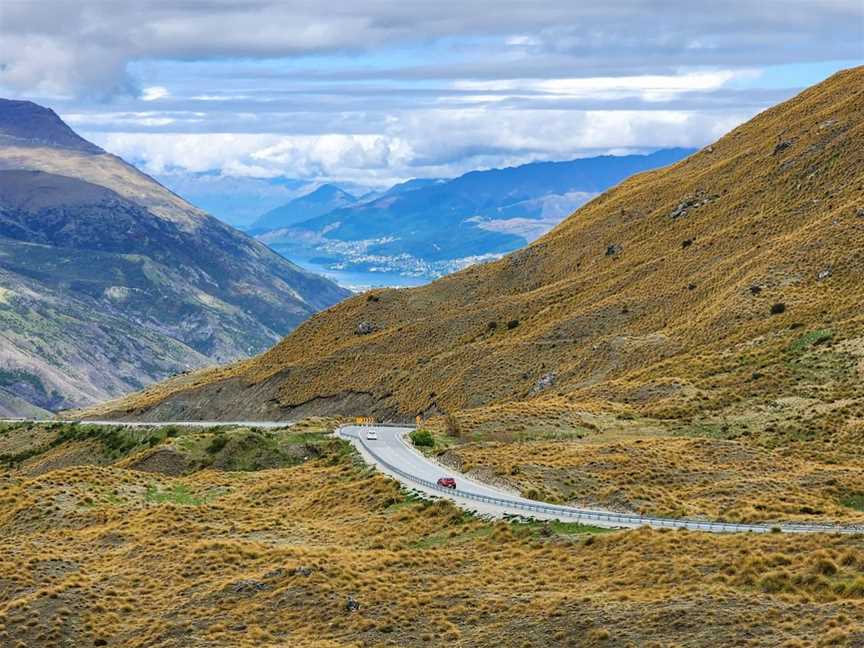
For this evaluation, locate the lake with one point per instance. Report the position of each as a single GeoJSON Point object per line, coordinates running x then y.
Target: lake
{"type": "Point", "coordinates": [361, 281]}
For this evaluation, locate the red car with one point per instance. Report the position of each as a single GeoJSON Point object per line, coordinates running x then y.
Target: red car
{"type": "Point", "coordinates": [446, 482]}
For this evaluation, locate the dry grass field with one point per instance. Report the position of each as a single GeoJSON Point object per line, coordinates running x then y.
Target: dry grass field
{"type": "Point", "coordinates": [676, 477]}
{"type": "Point", "coordinates": [690, 343]}
{"type": "Point", "coordinates": [105, 555]}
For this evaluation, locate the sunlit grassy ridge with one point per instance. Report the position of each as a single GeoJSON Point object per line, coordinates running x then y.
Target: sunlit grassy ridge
{"type": "Point", "coordinates": [102, 555]}
{"type": "Point", "coordinates": [704, 287]}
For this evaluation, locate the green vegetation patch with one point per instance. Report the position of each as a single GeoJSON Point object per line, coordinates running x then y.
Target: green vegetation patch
{"type": "Point", "coordinates": [244, 449]}
{"type": "Point", "coordinates": [177, 494]}
{"type": "Point", "coordinates": [224, 448]}
{"type": "Point", "coordinates": [17, 376]}
{"type": "Point", "coordinates": [811, 339]}
{"type": "Point", "coordinates": [853, 501]}
{"type": "Point", "coordinates": [422, 438]}
{"type": "Point", "coordinates": [116, 441]}
{"type": "Point", "coordinates": [557, 528]}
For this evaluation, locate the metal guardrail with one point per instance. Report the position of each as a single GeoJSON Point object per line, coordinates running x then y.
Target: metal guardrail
{"type": "Point", "coordinates": [622, 519]}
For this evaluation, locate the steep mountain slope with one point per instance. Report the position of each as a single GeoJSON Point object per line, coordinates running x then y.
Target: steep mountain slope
{"type": "Point", "coordinates": [26, 124]}
{"type": "Point", "coordinates": [429, 226]}
{"type": "Point", "coordinates": [108, 281]}
{"type": "Point", "coordinates": [728, 283]}
{"type": "Point", "coordinates": [324, 199]}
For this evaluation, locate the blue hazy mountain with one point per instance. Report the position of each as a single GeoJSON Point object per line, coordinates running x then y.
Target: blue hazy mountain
{"type": "Point", "coordinates": [433, 226]}
{"type": "Point", "coordinates": [323, 200]}
{"type": "Point", "coordinates": [412, 185]}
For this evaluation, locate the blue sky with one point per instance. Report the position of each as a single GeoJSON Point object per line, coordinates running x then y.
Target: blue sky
{"type": "Point", "coordinates": [378, 92]}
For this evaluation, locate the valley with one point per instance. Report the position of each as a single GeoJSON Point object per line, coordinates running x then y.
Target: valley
{"type": "Point", "coordinates": [395, 325]}
{"type": "Point", "coordinates": [111, 282]}
{"type": "Point", "coordinates": [660, 299]}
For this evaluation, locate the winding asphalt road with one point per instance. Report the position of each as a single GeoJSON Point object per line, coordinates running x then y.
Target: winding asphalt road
{"type": "Point", "coordinates": [392, 454]}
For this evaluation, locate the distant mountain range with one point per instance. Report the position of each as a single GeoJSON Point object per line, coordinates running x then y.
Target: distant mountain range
{"type": "Point", "coordinates": [240, 201]}
{"type": "Point", "coordinates": [236, 200]}
{"type": "Point", "coordinates": [428, 227]}
{"type": "Point", "coordinates": [323, 200]}
{"type": "Point", "coordinates": [108, 281]}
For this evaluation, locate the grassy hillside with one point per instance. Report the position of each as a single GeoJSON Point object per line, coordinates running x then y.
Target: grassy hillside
{"type": "Point", "coordinates": [36, 448]}
{"type": "Point", "coordinates": [707, 290]}
{"type": "Point", "coordinates": [116, 551]}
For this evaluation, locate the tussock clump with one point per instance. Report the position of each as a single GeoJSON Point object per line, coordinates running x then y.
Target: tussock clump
{"type": "Point", "coordinates": [269, 558]}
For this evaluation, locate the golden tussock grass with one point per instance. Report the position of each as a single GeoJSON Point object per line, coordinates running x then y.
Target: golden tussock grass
{"type": "Point", "coordinates": [93, 554]}
{"type": "Point", "coordinates": [678, 477]}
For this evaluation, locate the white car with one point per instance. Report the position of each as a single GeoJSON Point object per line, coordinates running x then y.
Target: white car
{"type": "Point", "coordinates": [371, 435]}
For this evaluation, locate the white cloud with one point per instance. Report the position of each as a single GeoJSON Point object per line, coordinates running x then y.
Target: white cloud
{"type": "Point", "coordinates": [153, 93]}
{"type": "Point", "coordinates": [381, 91]}
{"type": "Point", "coordinates": [428, 143]}
{"type": "Point", "coordinates": [62, 47]}
{"type": "Point", "coordinates": [138, 119]}
{"type": "Point", "coordinates": [522, 40]}
{"type": "Point", "coordinates": [645, 87]}
{"type": "Point", "coordinates": [196, 152]}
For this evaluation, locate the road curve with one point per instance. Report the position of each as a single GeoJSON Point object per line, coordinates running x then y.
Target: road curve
{"type": "Point", "coordinates": [393, 455]}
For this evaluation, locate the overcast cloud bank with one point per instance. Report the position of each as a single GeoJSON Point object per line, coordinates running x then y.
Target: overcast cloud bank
{"type": "Point", "coordinates": [377, 92]}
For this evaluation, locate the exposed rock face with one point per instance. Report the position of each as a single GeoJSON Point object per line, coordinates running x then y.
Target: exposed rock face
{"type": "Point", "coordinates": [108, 281]}
{"type": "Point", "coordinates": [365, 328]}
{"type": "Point", "coordinates": [544, 382]}
{"type": "Point", "coordinates": [699, 199]}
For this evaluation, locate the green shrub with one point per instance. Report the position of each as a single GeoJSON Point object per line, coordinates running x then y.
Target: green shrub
{"type": "Point", "coordinates": [811, 339]}
{"type": "Point", "coordinates": [422, 438]}
{"type": "Point", "coordinates": [217, 443]}
{"type": "Point", "coordinates": [853, 501]}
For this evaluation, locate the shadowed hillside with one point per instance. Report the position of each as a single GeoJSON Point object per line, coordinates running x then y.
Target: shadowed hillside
{"type": "Point", "coordinates": [108, 281]}
{"type": "Point", "coordinates": [715, 285]}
